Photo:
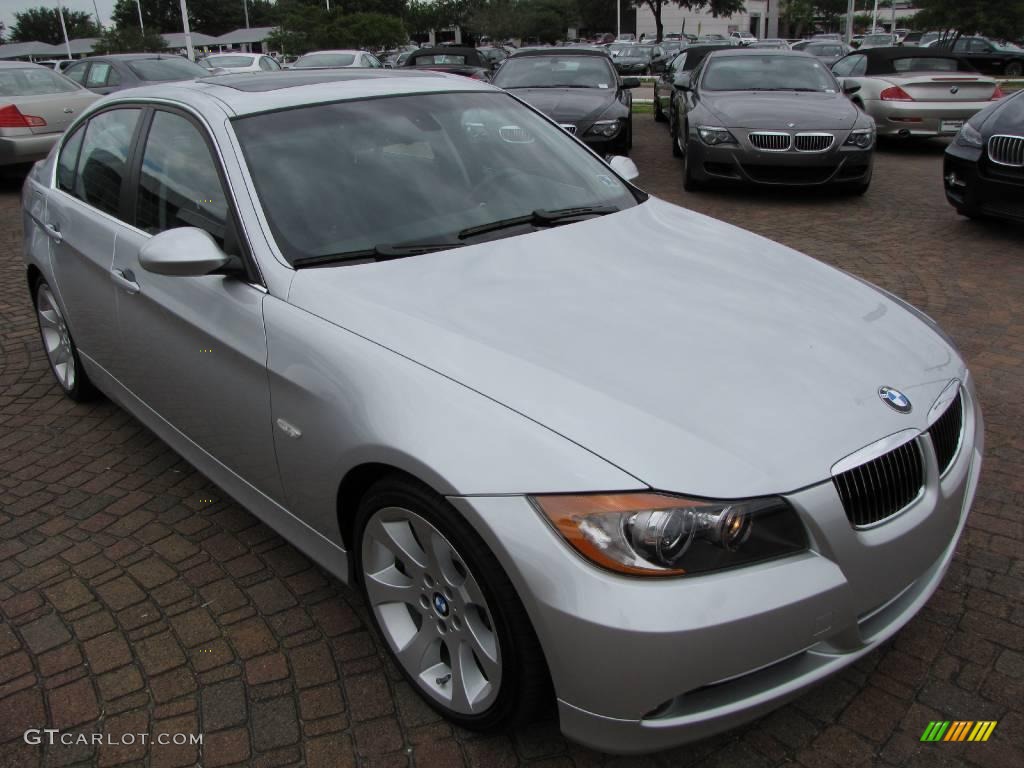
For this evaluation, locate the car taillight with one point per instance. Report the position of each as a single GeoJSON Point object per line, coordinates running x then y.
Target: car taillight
{"type": "Point", "coordinates": [895, 93]}
{"type": "Point", "coordinates": [997, 94]}
{"type": "Point", "coordinates": [11, 117]}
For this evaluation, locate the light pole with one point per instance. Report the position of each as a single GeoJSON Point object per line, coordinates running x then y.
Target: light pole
{"type": "Point", "coordinates": [618, 19]}
{"type": "Point", "coordinates": [99, 23]}
{"type": "Point", "coordinates": [874, 18]}
{"type": "Point", "coordinates": [142, 27]}
{"type": "Point", "coordinates": [245, 5]}
{"type": "Point", "coordinates": [188, 32]}
{"type": "Point", "coordinates": [849, 21]}
{"type": "Point", "coordinates": [63, 27]}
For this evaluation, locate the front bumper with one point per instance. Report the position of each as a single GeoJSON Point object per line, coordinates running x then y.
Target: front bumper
{"type": "Point", "coordinates": [921, 119]}
{"type": "Point", "coordinates": [641, 665]}
{"type": "Point", "coordinates": [26, 149]}
{"type": "Point", "coordinates": [744, 163]}
{"type": "Point", "coordinates": [975, 185]}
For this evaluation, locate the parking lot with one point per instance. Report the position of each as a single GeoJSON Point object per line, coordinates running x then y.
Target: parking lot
{"type": "Point", "coordinates": [135, 598]}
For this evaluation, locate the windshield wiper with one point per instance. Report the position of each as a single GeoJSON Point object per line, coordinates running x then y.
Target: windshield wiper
{"type": "Point", "coordinates": [539, 218]}
{"type": "Point", "coordinates": [378, 253]}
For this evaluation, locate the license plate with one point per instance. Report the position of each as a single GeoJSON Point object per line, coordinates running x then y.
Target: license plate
{"type": "Point", "coordinates": [950, 126]}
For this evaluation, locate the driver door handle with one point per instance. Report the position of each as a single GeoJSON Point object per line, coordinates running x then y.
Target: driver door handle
{"type": "Point", "coordinates": [53, 232]}
{"type": "Point", "coordinates": [125, 278]}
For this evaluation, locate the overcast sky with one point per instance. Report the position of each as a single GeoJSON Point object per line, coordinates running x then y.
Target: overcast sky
{"type": "Point", "coordinates": [9, 7]}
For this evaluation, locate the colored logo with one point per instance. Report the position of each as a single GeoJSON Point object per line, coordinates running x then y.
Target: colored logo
{"type": "Point", "coordinates": [440, 605]}
{"type": "Point", "coordinates": [894, 399]}
{"type": "Point", "coordinates": [959, 730]}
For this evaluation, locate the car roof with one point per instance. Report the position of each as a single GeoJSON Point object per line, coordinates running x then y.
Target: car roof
{"type": "Point", "coordinates": [250, 93]}
{"type": "Point", "coordinates": [334, 50]}
{"type": "Point", "coordinates": [19, 65]}
{"type": "Point", "coordinates": [559, 52]}
{"type": "Point", "coordinates": [723, 52]}
{"type": "Point", "coordinates": [880, 59]}
{"type": "Point", "coordinates": [133, 56]}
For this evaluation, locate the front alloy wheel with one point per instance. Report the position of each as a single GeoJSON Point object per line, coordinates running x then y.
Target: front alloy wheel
{"type": "Point", "coordinates": [60, 347]}
{"type": "Point", "coordinates": [446, 609]}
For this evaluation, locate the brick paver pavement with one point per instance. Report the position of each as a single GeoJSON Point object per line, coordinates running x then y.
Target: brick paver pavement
{"type": "Point", "coordinates": [135, 598]}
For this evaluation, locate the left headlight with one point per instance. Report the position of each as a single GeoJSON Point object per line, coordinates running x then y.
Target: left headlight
{"type": "Point", "coordinates": [653, 534]}
{"type": "Point", "coordinates": [606, 128]}
{"type": "Point", "coordinates": [860, 137]}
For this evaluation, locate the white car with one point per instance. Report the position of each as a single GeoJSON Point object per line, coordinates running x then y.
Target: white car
{"type": "Point", "coordinates": [58, 65]}
{"type": "Point", "coordinates": [240, 62]}
{"type": "Point", "coordinates": [336, 59]}
{"type": "Point", "coordinates": [743, 38]}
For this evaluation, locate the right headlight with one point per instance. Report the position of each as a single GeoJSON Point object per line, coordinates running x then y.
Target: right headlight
{"type": "Point", "coordinates": [713, 136]}
{"type": "Point", "coordinates": [969, 136]}
{"type": "Point", "coordinates": [653, 534]}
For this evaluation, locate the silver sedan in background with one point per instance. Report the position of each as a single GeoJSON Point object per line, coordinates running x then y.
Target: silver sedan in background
{"type": "Point", "coordinates": [915, 92]}
{"type": "Point", "coordinates": [654, 485]}
{"type": "Point", "coordinates": [36, 105]}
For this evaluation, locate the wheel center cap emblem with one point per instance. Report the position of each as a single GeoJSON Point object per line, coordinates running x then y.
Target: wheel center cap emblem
{"type": "Point", "coordinates": [440, 604]}
{"type": "Point", "coordinates": [895, 399]}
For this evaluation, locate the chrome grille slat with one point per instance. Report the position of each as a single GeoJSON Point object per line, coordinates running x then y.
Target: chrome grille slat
{"type": "Point", "coordinates": [569, 127]}
{"type": "Point", "coordinates": [880, 488]}
{"type": "Point", "coordinates": [1006, 149]}
{"type": "Point", "coordinates": [814, 142]}
{"type": "Point", "coordinates": [770, 141]}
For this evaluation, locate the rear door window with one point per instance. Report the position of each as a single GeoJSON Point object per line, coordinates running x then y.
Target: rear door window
{"type": "Point", "coordinates": [102, 75]}
{"type": "Point", "coordinates": [102, 163]}
{"type": "Point", "coordinates": [77, 72]}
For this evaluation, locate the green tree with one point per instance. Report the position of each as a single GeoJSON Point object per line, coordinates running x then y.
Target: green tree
{"type": "Point", "coordinates": [211, 17]}
{"type": "Point", "coordinates": [597, 15]}
{"type": "Point", "coordinates": [43, 24]}
{"type": "Point", "coordinates": [1002, 19]}
{"type": "Point", "coordinates": [715, 7]}
{"type": "Point", "coordinates": [310, 29]}
{"type": "Point", "coordinates": [129, 40]}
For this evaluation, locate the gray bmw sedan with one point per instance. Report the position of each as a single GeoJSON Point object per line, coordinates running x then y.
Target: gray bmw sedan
{"type": "Point", "coordinates": [770, 117]}
{"type": "Point", "coordinates": [668, 488]}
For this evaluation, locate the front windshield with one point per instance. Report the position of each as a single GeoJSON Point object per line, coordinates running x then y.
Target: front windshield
{"type": "Point", "coordinates": [878, 40]}
{"type": "Point", "coordinates": [165, 70]}
{"type": "Point", "coordinates": [767, 73]}
{"type": "Point", "coordinates": [349, 176]}
{"type": "Point", "coordinates": [555, 72]}
{"type": "Point", "coordinates": [325, 60]}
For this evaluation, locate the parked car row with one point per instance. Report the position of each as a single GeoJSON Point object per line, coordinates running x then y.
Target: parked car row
{"type": "Point", "coordinates": [780, 117]}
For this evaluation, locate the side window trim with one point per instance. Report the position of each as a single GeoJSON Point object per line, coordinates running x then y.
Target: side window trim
{"type": "Point", "coordinates": [232, 225]}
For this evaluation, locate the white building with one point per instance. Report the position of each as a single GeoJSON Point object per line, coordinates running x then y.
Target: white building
{"type": "Point", "coordinates": [679, 20]}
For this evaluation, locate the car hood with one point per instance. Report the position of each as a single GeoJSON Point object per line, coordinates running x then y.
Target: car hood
{"type": "Point", "coordinates": [630, 60]}
{"type": "Point", "coordinates": [1007, 117]}
{"type": "Point", "coordinates": [774, 110]}
{"type": "Point", "coordinates": [576, 105]}
{"type": "Point", "coordinates": [701, 358]}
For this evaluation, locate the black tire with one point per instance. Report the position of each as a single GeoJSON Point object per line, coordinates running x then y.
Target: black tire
{"type": "Point", "coordinates": [674, 132]}
{"type": "Point", "coordinates": [659, 113]}
{"type": "Point", "coordinates": [82, 389]}
{"type": "Point", "coordinates": [1014, 69]}
{"type": "Point", "coordinates": [690, 184]}
{"type": "Point", "coordinates": [969, 212]}
{"type": "Point", "coordinates": [629, 134]}
{"type": "Point", "coordinates": [525, 692]}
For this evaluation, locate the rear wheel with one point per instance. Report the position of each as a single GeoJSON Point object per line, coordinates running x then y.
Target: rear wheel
{"type": "Point", "coordinates": [446, 609]}
{"type": "Point", "coordinates": [1014, 69]}
{"type": "Point", "coordinates": [60, 347]}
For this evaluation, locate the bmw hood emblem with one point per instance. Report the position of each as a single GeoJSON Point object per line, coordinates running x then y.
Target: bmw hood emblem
{"type": "Point", "coordinates": [895, 399]}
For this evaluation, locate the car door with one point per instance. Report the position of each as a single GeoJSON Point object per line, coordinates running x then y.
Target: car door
{"type": "Point", "coordinates": [194, 348]}
{"type": "Point", "coordinates": [82, 223]}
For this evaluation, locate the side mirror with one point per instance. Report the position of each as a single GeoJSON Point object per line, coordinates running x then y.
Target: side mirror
{"type": "Point", "coordinates": [183, 252]}
{"type": "Point", "coordinates": [849, 88]}
{"type": "Point", "coordinates": [388, 65]}
{"type": "Point", "coordinates": [631, 82]}
{"type": "Point", "coordinates": [623, 166]}
{"type": "Point", "coordinates": [683, 82]}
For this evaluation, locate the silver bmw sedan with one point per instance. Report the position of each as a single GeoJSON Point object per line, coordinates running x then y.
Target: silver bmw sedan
{"type": "Point", "coordinates": [402, 318]}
